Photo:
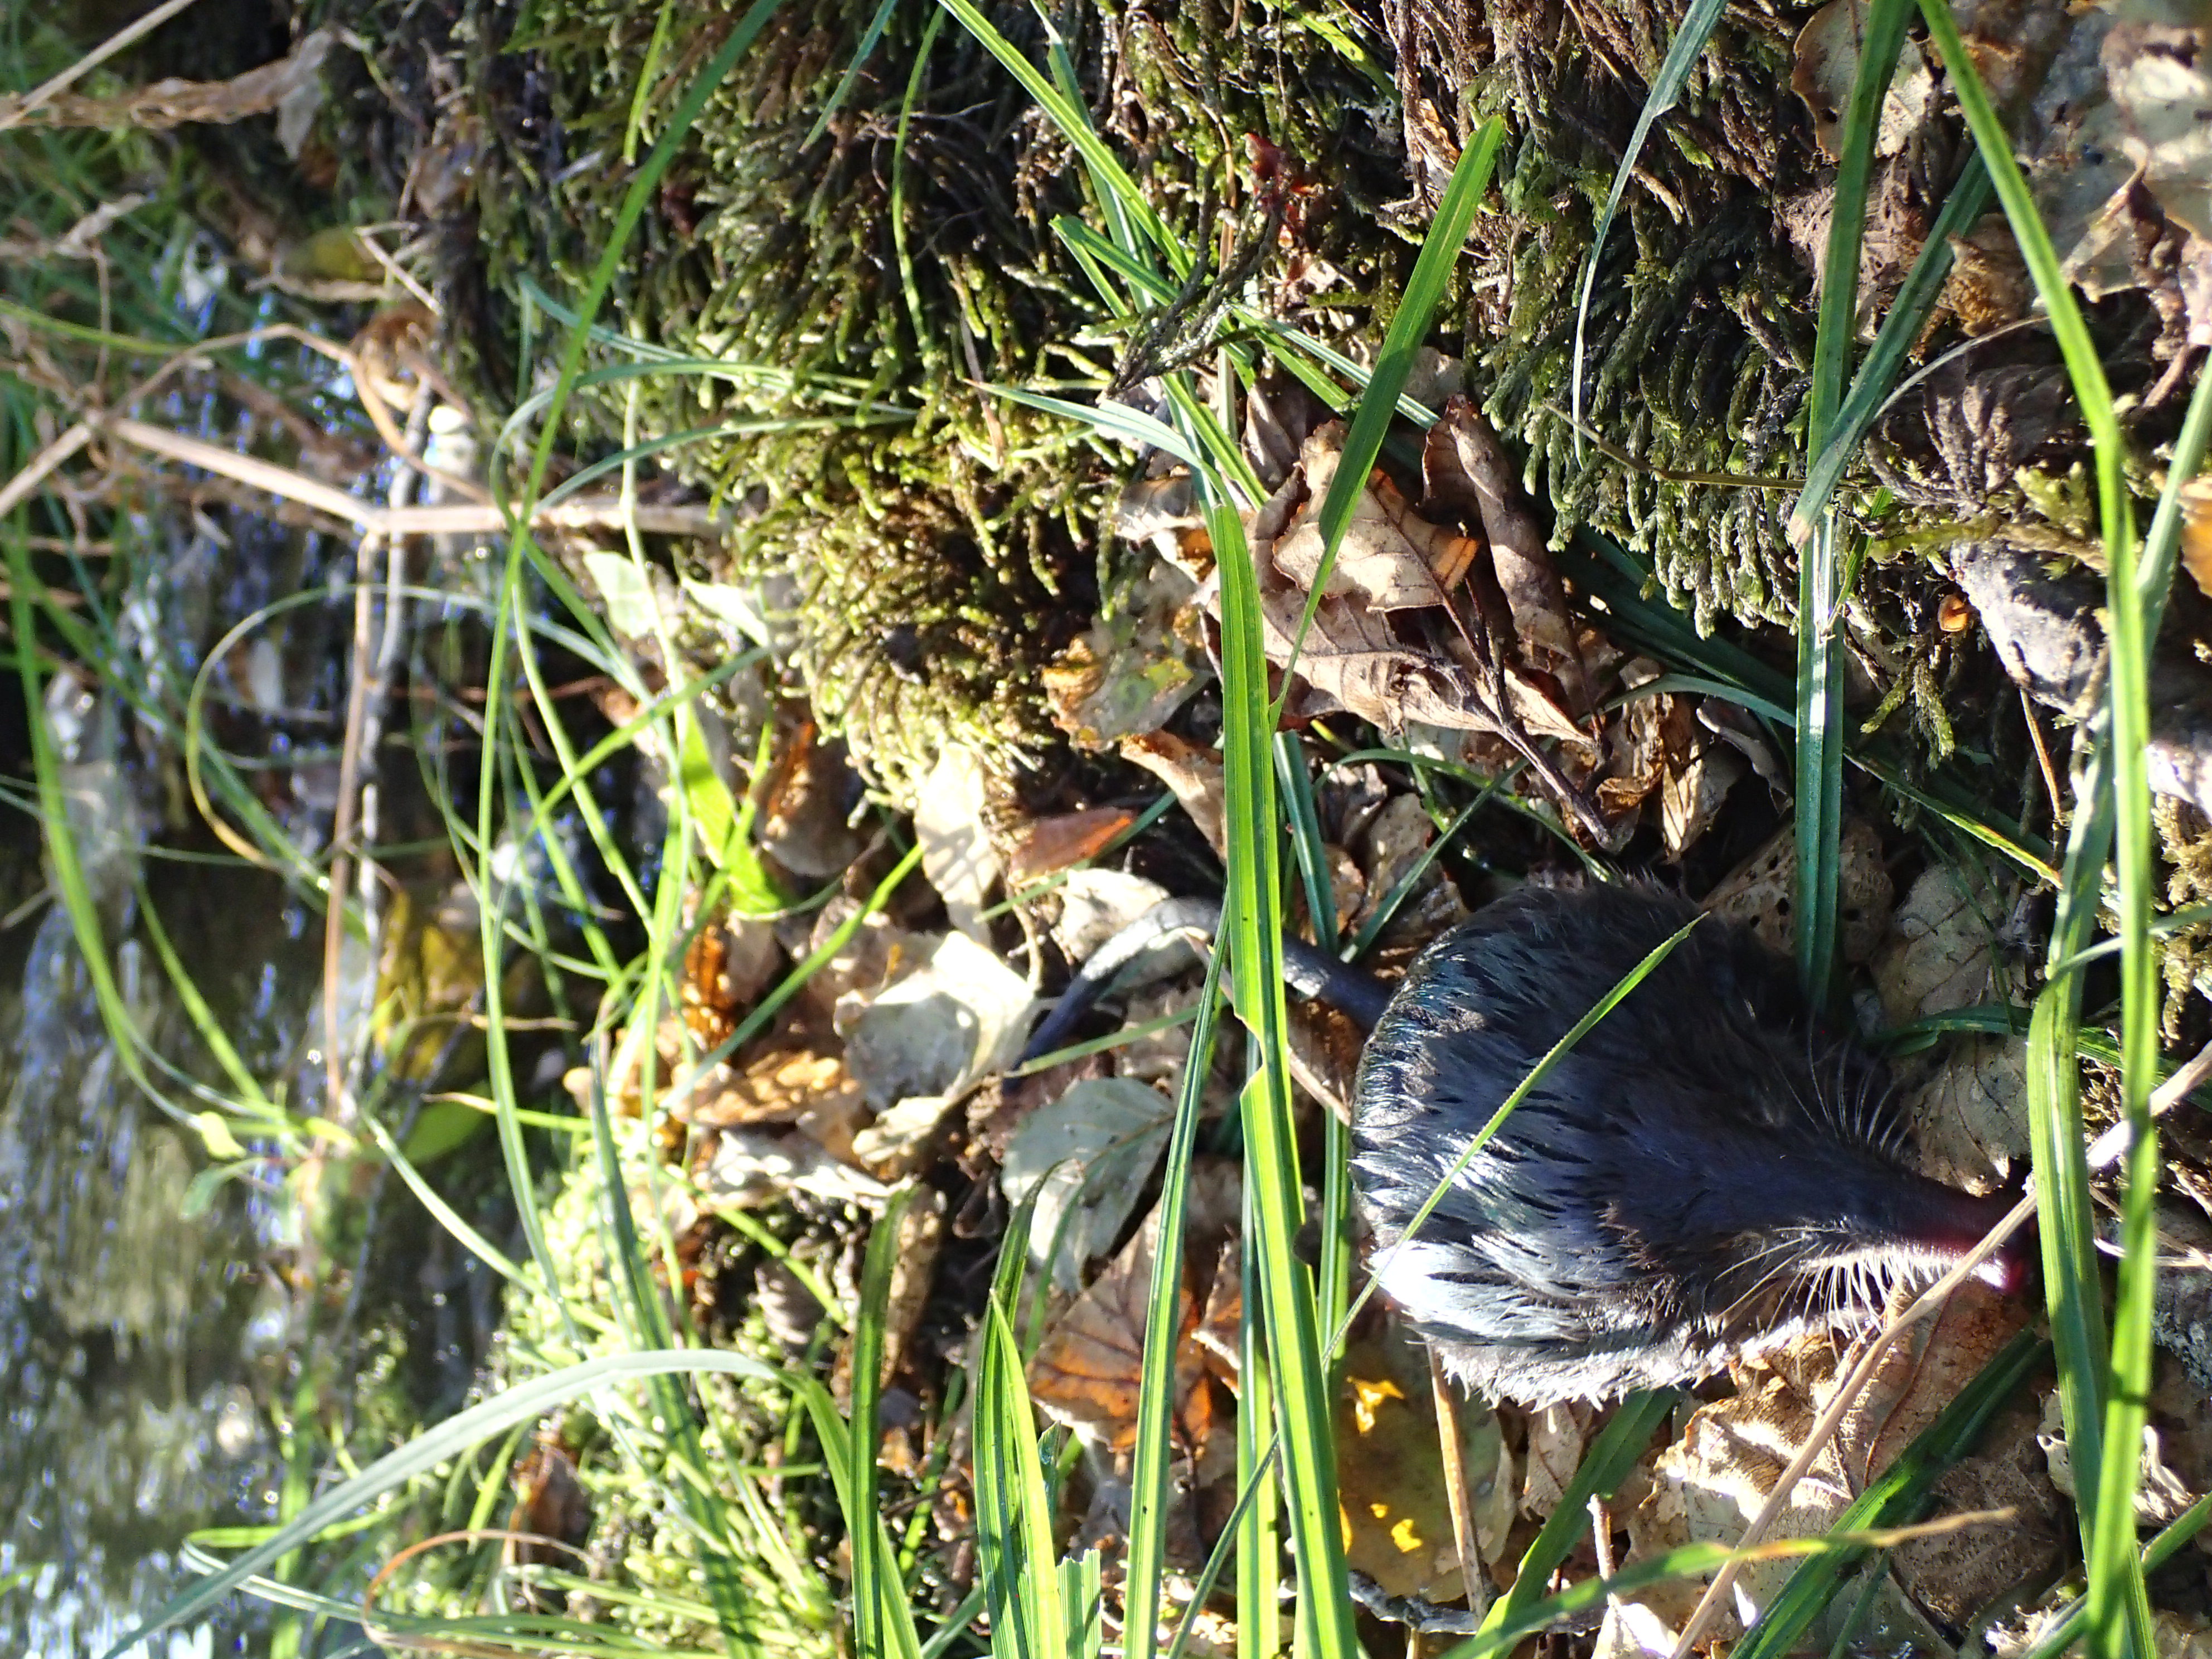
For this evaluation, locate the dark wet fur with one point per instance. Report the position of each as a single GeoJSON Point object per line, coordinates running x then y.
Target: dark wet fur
{"type": "Point", "coordinates": [1705, 1173]}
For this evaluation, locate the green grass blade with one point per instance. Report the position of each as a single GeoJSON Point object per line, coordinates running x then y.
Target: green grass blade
{"type": "Point", "coordinates": [883, 1616]}
{"type": "Point", "coordinates": [1252, 922]}
{"type": "Point", "coordinates": [1013, 1512]}
{"type": "Point", "coordinates": [1258, 1529]}
{"type": "Point", "coordinates": [1333, 1271]}
{"type": "Point", "coordinates": [2161, 1549]}
{"type": "Point", "coordinates": [1603, 1468]}
{"type": "Point", "coordinates": [508, 602]}
{"type": "Point", "coordinates": [1822, 561]}
{"type": "Point", "coordinates": [524, 1403]}
{"type": "Point", "coordinates": [1819, 758]}
{"type": "Point", "coordinates": [1409, 326]}
{"type": "Point", "coordinates": [2120, 1607]}
{"type": "Point", "coordinates": [1689, 43]}
{"type": "Point", "coordinates": [1075, 123]}
{"type": "Point", "coordinates": [1154, 1450]}
{"type": "Point", "coordinates": [843, 89]}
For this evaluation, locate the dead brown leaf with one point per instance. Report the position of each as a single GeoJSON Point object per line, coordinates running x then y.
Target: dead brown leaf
{"type": "Point", "coordinates": [776, 1085]}
{"type": "Point", "coordinates": [1760, 892]}
{"type": "Point", "coordinates": [1043, 846]}
{"type": "Point", "coordinates": [1557, 1438]}
{"type": "Point", "coordinates": [1089, 1370]}
{"type": "Point", "coordinates": [1390, 559]}
{"type": "Point", "coordinates": [1663, 757]}
{"type": "Point", "coordinates": [1140, 662]}
{"type": "Point", "coordinates": [1196, 775]}
{"type": "Point", "coordinates": [2158, 59]}
{"type": "Point", "coordinates": [1464, 469]}
{"type": "Point", "coordinates": [1390, 1478]}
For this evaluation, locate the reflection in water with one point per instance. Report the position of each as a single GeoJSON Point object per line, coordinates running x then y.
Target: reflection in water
{"type": "Point", "coordinates": [127, 1331]}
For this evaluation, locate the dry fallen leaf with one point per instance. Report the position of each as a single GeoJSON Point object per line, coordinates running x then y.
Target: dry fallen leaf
{"type": "Point", "coordinates": [1939, 954]}
{"type": "Point", "coordinates": [2158, 60]}
{"type": "Point", "coordinates": [1759, 893]}
{"type": "Point", "coordinates": [1390, 559]}
{"type": "Point", "coordinates": [1709, 1483]}
{"type": "Point", "coordinates": [752, 1167]}
{"type": "Point", "coordinates": [1827, 62]}
{"type": "Point", "coordinates": [1044, 847]}
{"type": "Point", "coordinates": [726, 966]}
{"type": "Point", "coordinates": [1089, 1370]}
{"type": "Point", "coordinates": [1087, 1157]}
{"type": "Point", "coordinates": [1557, 1437]}
{"type": "Point", "coordinates": [1466, 470]}
{"type": "Point", "coordinates": [913, 1271]}
{"type": "Point", "coordinates": [961, 1015]}
{"type": "Point", "coordinates": [1138, 664]}
{"type": "Point", "coordinates": [1097, 904]}
{"type": "Point", "coordinates": [776, 1085]}
{"type": "Point", "coordinates": [956, 853]}
{"type": "Point", "coordinates": [1197, 776]}
{"type": "Point", "coordinates": [1662, 755]}
{"type": "Point", "coordinates": [1390, 1477]}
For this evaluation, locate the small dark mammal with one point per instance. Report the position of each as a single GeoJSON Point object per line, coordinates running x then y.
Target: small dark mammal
{"type": "Point", "coordinates": [1706, 1174]}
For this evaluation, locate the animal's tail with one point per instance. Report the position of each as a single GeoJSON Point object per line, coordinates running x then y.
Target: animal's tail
{"type": "Point", "coordinates": [1308, 970]}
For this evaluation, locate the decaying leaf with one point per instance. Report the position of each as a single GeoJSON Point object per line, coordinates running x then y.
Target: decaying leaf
{"type": "Point", "coordinates": [1709, 1483]}
{"type": "Point", "coordinates": [1044, 847]}
{"type": "Point", "coordinates": [1086, 1157]}
{"type": "Point", "coordinates": [913, 1270]}
{"type": "Point", "coordinates": [1088, 1369]}
{"type": "Point", "coordinates": [773, 1085]}
{"type": "Point", "coordinates": [1466, 470]}
{"type": "Point", "coordinates": [1390, 559]}
{"type": "Point", "coordinates": [725, 967]}
{"type": "Point", "coordinates": [959, 1016]}
{"type": "Point", "coordinates": [2158, 59]}
{"type": "Point", "coordinates": [804, 821]}
{"type": "Point", "coordinates": [1196, 775]}
{"type": "Point", "coordinates": [1760, 893]}
{"type": "Point", "coordinates": [752, 1167]}
{"type": "Point", "coordinates": [1827, 62]}
{"type": "Point", "coordinates": [1138, 664]}
{"type": "Point", "coordinates": [1390, 1481]}
{"type": "Point", "coordinates": [1939, 956]}
{"type": "Point", "coordinates": [2160, 1494]}
{"type": "Point", "coordinates": [2197, 531]}
{"type": "Point", "coordinates": [1097, 904]}
{"type": "Point", "coordinates": [1660, 755]}
{"type": "Point", "coordinates": [956, 853]}
{"type": "Point", "coordinates": [1557, 1437]}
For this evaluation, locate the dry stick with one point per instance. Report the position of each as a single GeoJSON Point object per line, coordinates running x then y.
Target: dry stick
{"type": "Point", "coordinates": [1455, 1469]}
{"type": "Point", "coordinates": [2103, 1151]}
{"type": "Point", "coordinates": [336, 1102]}
{"type": "Point", "coordinates": [592, 512]}
{"type": "Point", "coordinates": [2042, 760]}
{"type": "Point", "coordinates": [36, 471]}
{"type": "Point", "coordinates": [18, 109]}
{"type": "Point", "coordinates": [42, 466]}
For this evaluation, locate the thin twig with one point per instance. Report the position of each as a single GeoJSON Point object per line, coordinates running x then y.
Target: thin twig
{"type": "Point", "coordinates": [20, 109]}
{"type": "Point", "coordinates": [1454, 1471]}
